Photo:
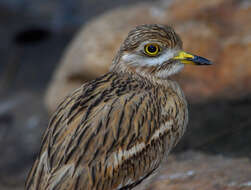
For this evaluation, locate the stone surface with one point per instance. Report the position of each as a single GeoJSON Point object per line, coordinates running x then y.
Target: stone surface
{"type": "Point", "coordinates": [189, 170]}
{"type": "Point", "coordinates": [197, 171]}
{"type": "Point", "coordinates": [218, 30]}
{"type": "Point", "coordinates": [235, 67]}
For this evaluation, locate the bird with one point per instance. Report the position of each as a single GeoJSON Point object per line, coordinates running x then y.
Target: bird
{"type": "Point", "coordinates": [115, 131]}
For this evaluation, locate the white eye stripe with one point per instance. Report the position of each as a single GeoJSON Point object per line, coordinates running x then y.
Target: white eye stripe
{"type": "Point", "coordinates": [149, 61]}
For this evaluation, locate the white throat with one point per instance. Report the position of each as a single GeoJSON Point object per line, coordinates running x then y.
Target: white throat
{"type": "Point", "coordinates": [173, 69]}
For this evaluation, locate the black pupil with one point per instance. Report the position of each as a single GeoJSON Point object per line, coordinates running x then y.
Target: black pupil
{"type": "Point", "coordinates": [152, 48]}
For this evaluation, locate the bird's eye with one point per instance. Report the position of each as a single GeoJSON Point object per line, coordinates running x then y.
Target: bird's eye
{"type": "Point", "coordinates": [152, 49]}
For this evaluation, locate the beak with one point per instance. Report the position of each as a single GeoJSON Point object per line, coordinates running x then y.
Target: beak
{"type": "Point", "coordinates": [187, 58]}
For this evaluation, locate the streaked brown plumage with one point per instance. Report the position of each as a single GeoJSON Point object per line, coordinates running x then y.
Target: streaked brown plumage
{"type": "Point", "coordinates": [114, 131]}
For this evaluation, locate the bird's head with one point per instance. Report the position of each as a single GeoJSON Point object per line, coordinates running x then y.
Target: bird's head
{"type": "Point", "coordinates": [154, 50]}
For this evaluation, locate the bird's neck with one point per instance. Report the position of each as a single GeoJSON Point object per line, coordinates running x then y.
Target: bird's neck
{"type": "Point", "coordinates": [147, 77]}
{"type": "Point", "coordinates": [156, 75]}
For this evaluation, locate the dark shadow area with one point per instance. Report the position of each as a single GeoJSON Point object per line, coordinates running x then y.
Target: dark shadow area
{"type": "Point", "coordinates": [219, 126]}
{"type": "Point", "coordinates": [31, 36]}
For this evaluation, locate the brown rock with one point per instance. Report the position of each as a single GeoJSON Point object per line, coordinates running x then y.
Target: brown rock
{"type": "Point", "coordinates": [217, 29]}
{"type": "Point", "coordinates": [197, 171]}
{"type": "Point", "coordinates": [235, 69]}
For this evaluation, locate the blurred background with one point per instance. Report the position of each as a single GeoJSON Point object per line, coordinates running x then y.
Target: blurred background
{"type": "Point", "coordinates": [50, 47]}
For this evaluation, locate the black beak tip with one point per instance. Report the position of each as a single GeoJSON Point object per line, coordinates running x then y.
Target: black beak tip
{"type": "Point", "coordinates": [202, 61]}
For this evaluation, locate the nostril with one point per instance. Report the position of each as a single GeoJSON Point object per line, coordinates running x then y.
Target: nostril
{"type": "Point", "coordinates": [31, 36]}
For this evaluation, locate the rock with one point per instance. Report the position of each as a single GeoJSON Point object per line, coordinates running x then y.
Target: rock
{"type": "Point", "coordinates": [195, 170]}
{"type": "Point", "coordinates": [235, 68]}
{"type": "Point", "coordinates": [218, 30]}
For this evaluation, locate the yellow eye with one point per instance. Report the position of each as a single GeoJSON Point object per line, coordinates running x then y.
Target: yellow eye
{"type": "Point", "coordinates": [152, 49]}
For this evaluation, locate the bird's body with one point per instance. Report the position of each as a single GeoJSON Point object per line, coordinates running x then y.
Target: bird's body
{"type": "Point", "coordinates": [114, 131]}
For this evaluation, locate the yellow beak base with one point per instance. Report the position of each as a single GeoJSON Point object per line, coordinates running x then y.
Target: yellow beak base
{"type": "Point", "coordinates": [187, 58]}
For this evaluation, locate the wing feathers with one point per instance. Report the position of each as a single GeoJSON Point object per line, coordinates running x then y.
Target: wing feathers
{"type": "Point", "coordinates": [108, 134]}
